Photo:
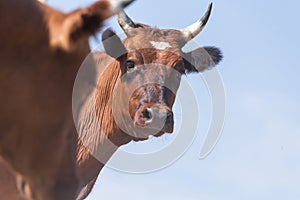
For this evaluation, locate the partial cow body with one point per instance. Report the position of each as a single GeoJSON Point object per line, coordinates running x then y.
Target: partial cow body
{"type": "Point", "coordinates": [40, 54]}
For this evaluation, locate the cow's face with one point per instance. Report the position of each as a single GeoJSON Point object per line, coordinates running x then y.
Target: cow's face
{"type": "Point", "coordinates": [152, 78]}
{"type": "Point", "coordinates": [152, 66]}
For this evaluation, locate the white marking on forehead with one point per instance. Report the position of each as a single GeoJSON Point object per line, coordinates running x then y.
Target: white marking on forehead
{"type": "Point", "coordinates": [160, 45]}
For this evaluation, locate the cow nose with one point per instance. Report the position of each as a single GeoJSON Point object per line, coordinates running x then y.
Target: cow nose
{"type": "Point", "coordinates": [158, 117]}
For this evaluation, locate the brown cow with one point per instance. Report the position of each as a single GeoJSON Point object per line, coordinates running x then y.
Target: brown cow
{"type": "Point", "coordinates": [40, 53]}
{"type": "Point", "coordinates": [131, 99]}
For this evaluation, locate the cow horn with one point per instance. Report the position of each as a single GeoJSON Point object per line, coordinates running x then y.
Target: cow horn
{"type": "Point", "coordinates": [193, 30]}
{"type": "Point", "coordinates": [124, 21]}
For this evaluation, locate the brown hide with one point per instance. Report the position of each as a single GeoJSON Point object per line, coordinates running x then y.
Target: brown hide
{"type": "Point", "coordinates": [41, 50]}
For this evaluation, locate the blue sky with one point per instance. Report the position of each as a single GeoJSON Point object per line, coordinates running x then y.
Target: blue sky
{"type": "Point", "coordinates": [258, 154]}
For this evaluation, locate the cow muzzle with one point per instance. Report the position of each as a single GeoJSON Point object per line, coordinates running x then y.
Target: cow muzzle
{"type": "Point", "coordinates": [158, 117]}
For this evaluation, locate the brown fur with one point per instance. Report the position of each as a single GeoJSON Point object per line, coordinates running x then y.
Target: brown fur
{"type": "Point", "coordinates": [96, 113]}
{"type": "Point", "coordinates": [41, 52]}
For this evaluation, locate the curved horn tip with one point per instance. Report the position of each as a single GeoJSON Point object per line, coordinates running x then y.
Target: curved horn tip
{"type": "Point", "coordinates": [193, 30]}
{"type": "Point", "coordinates": [206, 16]}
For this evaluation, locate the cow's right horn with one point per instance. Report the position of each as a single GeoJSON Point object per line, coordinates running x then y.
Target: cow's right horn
{"type": "Point", "coordinates": [193, 30]}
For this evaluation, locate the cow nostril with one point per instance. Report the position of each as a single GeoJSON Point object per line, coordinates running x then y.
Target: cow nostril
{"type": "Point", "coordinates": [147, 114]}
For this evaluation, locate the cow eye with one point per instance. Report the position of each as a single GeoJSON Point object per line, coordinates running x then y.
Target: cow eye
{"type": "Point", "coordinates": [130, 65]}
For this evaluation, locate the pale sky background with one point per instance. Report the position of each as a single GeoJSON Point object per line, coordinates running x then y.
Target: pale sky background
{"type": "Point", "coordinates": [258, 154]}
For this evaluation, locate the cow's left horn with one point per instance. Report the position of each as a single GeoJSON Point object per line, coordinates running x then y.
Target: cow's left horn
{"type": "Point", "coordinates": [193, 30]}
{"type": "Point", "coordinates": [125, 22]}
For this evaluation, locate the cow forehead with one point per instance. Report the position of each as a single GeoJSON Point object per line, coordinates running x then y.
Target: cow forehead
{"type": "Point", "coordinates": [160, 39]}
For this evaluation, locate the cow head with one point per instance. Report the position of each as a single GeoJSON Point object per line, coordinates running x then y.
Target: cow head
{"type": "Point", "coordinates": [152, 62]}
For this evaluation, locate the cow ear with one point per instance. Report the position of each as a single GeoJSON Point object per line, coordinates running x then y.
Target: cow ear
{"type": "Point", "coordinates": [113, 45]}
{"type": "Point", "coordinates": [201, 59]}
{"type": "Point", "coordinates": [87, 21]}
{"type": "Point", "coordinates": [67, 30]}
